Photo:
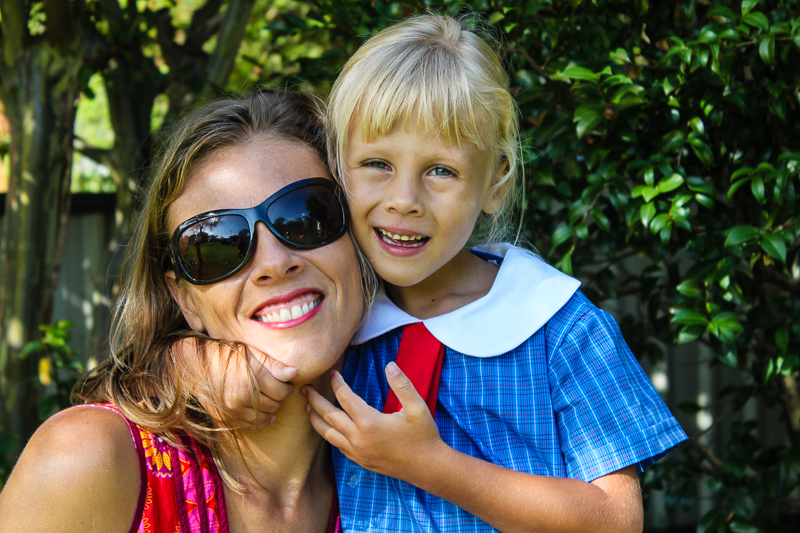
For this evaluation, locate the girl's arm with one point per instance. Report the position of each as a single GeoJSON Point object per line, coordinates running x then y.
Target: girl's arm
{"type": "Point", "coordinates": [406, 445]}
{"type": "Point", "coordinates": [78, 473]}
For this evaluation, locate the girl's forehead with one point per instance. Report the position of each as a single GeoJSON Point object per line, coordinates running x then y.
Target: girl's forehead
{"type": "Point", "coordinates": [368, 126]}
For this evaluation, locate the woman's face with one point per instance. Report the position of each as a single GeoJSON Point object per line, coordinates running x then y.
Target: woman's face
{"type": "Point", "coordinates": [255, 305]}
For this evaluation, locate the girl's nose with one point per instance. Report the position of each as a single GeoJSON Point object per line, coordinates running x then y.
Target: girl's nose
{"type": "Point", "coordinates": [403, 196]}
{"type": "Point", "coordinates": [271, 258]}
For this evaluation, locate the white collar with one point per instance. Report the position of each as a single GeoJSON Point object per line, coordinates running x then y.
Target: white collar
{"type": "Point", "coordinates": [526, 293]}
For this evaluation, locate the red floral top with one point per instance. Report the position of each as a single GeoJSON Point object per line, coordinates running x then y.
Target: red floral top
{"type": "Point", "coordinates": [181, 490]}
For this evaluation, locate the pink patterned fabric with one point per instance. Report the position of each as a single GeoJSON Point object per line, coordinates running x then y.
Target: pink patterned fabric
{"type": "Point", "coordinates": [180, 489]}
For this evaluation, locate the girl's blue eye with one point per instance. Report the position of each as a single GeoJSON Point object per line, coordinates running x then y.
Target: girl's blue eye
{"type": "Point", "coordinates": [377, 164]}
{"type": "Point", "coordinates": [441, 171]}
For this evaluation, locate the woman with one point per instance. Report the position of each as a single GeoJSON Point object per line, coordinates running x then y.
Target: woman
{"type": "Point", "coordinates": [281, 277]}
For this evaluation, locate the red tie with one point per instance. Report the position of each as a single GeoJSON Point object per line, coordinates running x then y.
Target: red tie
{"type": "Point", "coordinates": [420, 357]}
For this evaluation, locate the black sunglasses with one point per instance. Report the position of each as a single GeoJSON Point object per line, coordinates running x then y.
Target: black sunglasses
{"type": "Point", "coordinates": [216, 245]}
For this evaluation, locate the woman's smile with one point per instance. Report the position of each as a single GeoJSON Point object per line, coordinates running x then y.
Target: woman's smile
{"type": "Point", "coordinates": [291, 310]}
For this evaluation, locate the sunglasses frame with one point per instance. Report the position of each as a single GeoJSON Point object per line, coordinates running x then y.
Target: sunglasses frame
{"type": "Point", "coordinates": [254, 215]}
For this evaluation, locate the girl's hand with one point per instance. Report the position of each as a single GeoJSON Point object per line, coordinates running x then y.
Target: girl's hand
{"type": "Point", "coordinates": [236, 363]}
{"type": "Point", "coordinates": [391, 444]}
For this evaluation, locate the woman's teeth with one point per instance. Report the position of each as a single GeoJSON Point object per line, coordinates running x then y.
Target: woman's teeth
{"type": "Point", "coordinates": [285, 315]}
{"type": "Point", "coordinates": [402, 240]}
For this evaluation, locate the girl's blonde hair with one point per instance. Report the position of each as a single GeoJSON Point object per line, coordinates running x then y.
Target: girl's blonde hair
{"type": "Point", "coordinates": [436, 71]}
{"type": "Point", "coordinates": [143, 376]}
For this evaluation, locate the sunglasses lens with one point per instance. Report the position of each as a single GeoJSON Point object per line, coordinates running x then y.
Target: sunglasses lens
{"type": "Point", "coordinates": [214, 247]}
{"type": "Point", "coordinates": [307, 216]}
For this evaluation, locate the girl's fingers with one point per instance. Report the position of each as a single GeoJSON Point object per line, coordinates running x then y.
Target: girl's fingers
{"type": "Point", "coordinates": [326, 431]}
{"type": "Point", "coordinates": [351, 402]}
{"type": "Point", "coordinates": [274, 367]}
{"type": "Point", "coordinates": [271, 375]}
{"type": "Point", "coordinates": [332, 415]}
{"type": "Point", "coordinates": [404, 389]}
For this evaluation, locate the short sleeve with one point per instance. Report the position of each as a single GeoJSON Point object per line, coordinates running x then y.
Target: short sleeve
{"type": "Point", "coordinates": [608, 414]}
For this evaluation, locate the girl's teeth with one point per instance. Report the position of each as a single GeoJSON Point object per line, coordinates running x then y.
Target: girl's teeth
{"type": "Point", "coordinates": [398, 237]}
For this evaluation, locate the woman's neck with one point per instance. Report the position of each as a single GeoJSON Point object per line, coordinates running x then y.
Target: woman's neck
{"type": "Point", "coordinates": [286, 458]}
{"type": "Point", "coordinates": [462, 280]}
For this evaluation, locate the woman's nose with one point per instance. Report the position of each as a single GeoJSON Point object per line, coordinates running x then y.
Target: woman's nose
{"type": "Point", "coordinates": [271, 258]}
{"type": "Point", "coordinates": [403, 196]}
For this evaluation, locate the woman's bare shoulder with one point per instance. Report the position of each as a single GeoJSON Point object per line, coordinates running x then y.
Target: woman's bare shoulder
{"type": "Point", "coordinates": [79, 472]}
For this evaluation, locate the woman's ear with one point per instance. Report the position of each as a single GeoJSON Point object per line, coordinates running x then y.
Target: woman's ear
{"type": "Point", "coordinates": [499, 189]}
{"type": "Point", "coordinates": [184, 301]}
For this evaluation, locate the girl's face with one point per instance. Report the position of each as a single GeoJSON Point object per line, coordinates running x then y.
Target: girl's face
{"type": "Point", "coordinates": [414, 200]}
{"type": "Point", "coordinates": [257, 304]}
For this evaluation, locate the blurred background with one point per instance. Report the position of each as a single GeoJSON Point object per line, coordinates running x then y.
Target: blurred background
{"type": "Point", "coordinates": [661, 144]}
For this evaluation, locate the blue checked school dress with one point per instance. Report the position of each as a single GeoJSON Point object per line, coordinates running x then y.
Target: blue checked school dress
{"type": "Point", "coordinates": [534, 378]}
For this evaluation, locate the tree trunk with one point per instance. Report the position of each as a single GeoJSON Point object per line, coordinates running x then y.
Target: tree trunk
{"type": "Point", "coordinates": [39, 87]}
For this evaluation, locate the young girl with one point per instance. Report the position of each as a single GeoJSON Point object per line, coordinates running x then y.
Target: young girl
{"type": "Point", "coordinates": [542, 414]}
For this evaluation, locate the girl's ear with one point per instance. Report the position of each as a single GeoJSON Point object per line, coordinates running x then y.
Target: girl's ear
{"type": "Point", "coordinates": [184, 300]}
{"type": "Point", "coordinates": [496, 196]}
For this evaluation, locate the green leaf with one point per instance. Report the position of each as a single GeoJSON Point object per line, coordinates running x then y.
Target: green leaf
{"type": "Point", "coordinates": [725, 316]}
{"type": "Point", "coordinates": [565, 265]}
{"type": "Point", "coordinates": [666, 233]}
{"type": "Point", "coordinates": [748, 5]}
{"type": "Point", "coordinates": [658, 223]}
{"type": "Point", "coordinates": [561, 234]}
{"type": "Point", "coordinates": [671, 141]}
{"type": "Point", "coordinates": [646, 212]}
{"type": "Point", "coordinates": [757, 186]}
{"type": "Point", "coordinates": [728, 356]}
{"type": "Point", "coordinates": [601, 220]}
{"type": "Point", "coordinates": [684, 316]}
{"type": "Point", "coordinates": [692, 288]}
{"type": "Point", "coordinates": [736, 186]}
{"type": "Point", "coordinates": [31, 347]}
{"type": "Point", "coordinates": [701, 150]}
{"type": "Point", "coordinates": [722, 11]}
{"type": "Point", "coordinates": [648, 193]}
{"type": "Point", "coordinates": [588, 123]}
{"type": "Point", "coordinates": [293, 21]}
{"type": "Point", "coordinates": [697, 125]}
{"type": "Point", "coordinates": [690, 333]}
{"type": "Point", "coordinates": [741, 234]}
{"type": "Point", "coordinates": [774, 245]}
{"type": "Point", "coordinates": [582, 231]}
{"type": "Point", "coordinates": [670, 183]}
{"type": "Point", "coordinates": [619, 56]}
{"type": "Point", "coordinates": [757, 19]}
{"type": "Point", "coordinates": [580, 73]}
{"type": "Point", "coordinates": [782, 338]}
{"type": "Point", "coordinates": [704, 200]}
{"type": "Point", "coordinates": [741, 173]}
{"type": "Point", "coordinates": [767, 49]}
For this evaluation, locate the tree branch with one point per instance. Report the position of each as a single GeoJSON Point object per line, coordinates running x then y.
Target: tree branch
{"type": "Point", "coordinates": [61, 24]}
{"type": "Point", "coordinates": [228, 41]}
{"type": "Point", "coordinates": [205, 22]}
{"type": "Point", "coordinates": [15, 29]}
{"type": "Point", "coordinates": [98, 155]}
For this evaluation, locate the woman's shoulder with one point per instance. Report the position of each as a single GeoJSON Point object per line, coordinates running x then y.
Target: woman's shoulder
{"type": "Point", "coordinates": [79, 472]}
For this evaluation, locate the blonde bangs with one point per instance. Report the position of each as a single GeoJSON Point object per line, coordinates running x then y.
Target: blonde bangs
{"type": "Point", "coordinates": [422, 98]}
